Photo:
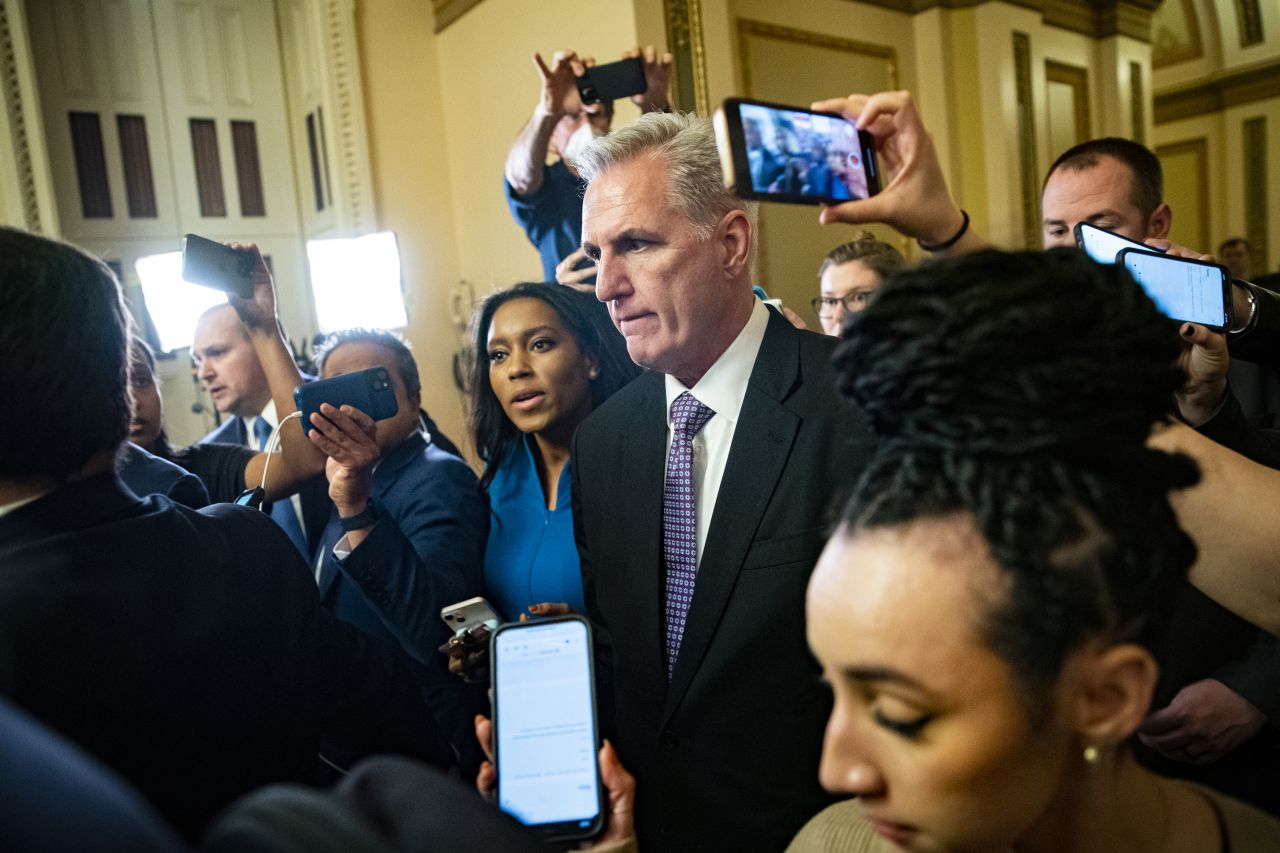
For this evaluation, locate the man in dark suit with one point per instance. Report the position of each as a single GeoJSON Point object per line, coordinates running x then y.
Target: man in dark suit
{"type": "Point", "coordinates": [185, 649]}
{"type": "Point", "coordinates": [407, 531]}
{"type": "Point", "coordinates": [700, 494]}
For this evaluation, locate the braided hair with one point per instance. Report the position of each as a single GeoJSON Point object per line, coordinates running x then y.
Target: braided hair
{"type": "Point", "coordinates": [1019, 389]}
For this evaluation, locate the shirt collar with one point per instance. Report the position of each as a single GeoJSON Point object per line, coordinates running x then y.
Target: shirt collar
{"type": "Point", "coordinates": [724, 386]}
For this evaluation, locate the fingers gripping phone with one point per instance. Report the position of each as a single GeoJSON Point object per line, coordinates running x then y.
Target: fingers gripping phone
{"type": "Point", "coordinates": [775, 153]}
{"type": "Point", "coordinates": [545, 734]}
{"type": "Point", "coordinates": [612, 81]}
{"type": "Point", "coordinates": [370, 391]}
{"type": "Point", "coordinates": [1103, 245]}
{"type": "Point", "coordinates": [466, 615]}
{"type": "Point", "coordinates": [217, 266]}
{"type": "Point", "coordinates": [1183, 289]}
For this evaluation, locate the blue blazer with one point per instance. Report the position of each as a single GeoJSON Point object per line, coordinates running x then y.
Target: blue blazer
{"type": "Point", "coordinates": [424, 552]}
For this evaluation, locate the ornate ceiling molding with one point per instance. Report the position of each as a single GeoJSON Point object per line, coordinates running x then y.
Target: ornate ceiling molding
{"type": "Point", "coordinates": [1096, 18]}
{"type": "Point", "coordinates": [448, 11]}
{"type": "Point", "coordinates": [1222, 90]}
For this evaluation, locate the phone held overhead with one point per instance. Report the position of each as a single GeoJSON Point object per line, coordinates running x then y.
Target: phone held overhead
{"type": "Point", "coordinates": [215, 265]}
{"type": "Point", "coordinates": [1184, 289]}
{"type": "Point", "coordinates": [772, 152]}
{"type": "Point", "coordinates": [545, 733]}
{"type": "Point", "coordinates": [369, 391]}
{"type": "Point", "coordinates": [612, 81]}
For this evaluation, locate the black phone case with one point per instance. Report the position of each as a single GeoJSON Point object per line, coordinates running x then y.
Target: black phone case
{"type": "Point", "coordinates": [1226, 282]}
{"type": "Point", "coordinates": [370, 391]}
{"type": "Point", "coordinates": [620, 79]}
{"type": "Point", "coordinates": [215, 265]}
{"type": "Point", "coordinates": [568, 831]}
{"type": "Point", "coordinates": [742, 187]}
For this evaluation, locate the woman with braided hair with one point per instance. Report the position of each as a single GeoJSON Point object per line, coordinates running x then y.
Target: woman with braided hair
{"type": "Point", "coordinates": [986, 609]}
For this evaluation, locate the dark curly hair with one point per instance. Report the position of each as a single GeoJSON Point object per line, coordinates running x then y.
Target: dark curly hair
{"type": "Point", "coordinates": [1020, 389]}
{"type": "Point", "coordinates": [585, 318]}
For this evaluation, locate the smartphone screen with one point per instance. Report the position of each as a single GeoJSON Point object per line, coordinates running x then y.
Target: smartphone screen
{"type": "Point", "coordinates": [545, 727]}
{"type": "Point", "coordinates": [1183, 289]}
{"type": "Point", "coordinates": [1103, 245]}
{"type": "Point", "coordinates": [779, 153]}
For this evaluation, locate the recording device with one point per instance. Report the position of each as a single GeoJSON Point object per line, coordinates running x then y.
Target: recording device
{"type": "Point", "coordinates": [215, 265]}
{"type": "Point", "coordinates": [466, 615]}
{"type": "Point", "coordinates": [369, 391]}
{"type": "Point", "coordinates": [545, 735]}
{"type": "Point", "coordinates": [1103, 245]}
{"type": "Point", "coordinates": [1184, 289]}
{"type": "Point", "coordinates": [772, 152]}
{"type": "Point", "coordinates": [612, 81]}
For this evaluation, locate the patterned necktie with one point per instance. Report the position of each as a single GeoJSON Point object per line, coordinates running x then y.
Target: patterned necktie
{"type": "Point", "coordinates": [680, 519]}
{"type": "Point", "coordinates": [282, 512]}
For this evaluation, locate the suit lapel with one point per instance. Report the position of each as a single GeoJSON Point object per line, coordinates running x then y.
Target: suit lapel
{"type": "Point", "coordinates": [643, 464]}
{"type": "Point", "coordinates": [761, 445]}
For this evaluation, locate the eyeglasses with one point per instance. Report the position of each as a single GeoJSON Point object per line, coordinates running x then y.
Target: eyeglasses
{"type": "Point", "coordinates": [853, 301]}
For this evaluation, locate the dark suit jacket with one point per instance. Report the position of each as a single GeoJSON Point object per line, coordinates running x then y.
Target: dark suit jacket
{"type": "Point", "coordinates": [147, 474]}
{"type": "Point", "coordinates": [187, 649]}
{"type": "Point", "coordinates": [726, 756]}
{"type": "Point", "coordinates": [425, 551]}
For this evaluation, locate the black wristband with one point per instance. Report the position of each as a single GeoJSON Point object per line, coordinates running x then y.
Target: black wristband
{"type": "Point", "coordinates": [360, 520]}
{"type": "Point", "coordinates": [942, 247]}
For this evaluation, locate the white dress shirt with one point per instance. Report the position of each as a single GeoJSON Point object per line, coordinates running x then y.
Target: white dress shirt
{"type": "Point", "coordinates": [722, 388]}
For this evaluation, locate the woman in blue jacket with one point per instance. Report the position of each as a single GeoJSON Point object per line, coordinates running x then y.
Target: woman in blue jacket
{"type": "Point", "coordinates": [545, 356]}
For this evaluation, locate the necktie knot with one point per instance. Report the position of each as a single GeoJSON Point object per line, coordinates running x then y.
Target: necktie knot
{"type": "Point", "coordinates": [261, 432]}
{"type": "Point", "coordinates": [689, 415]}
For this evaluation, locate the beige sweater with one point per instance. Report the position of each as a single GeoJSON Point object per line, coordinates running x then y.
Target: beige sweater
{"type": "Point", "coordinates": [842, 829]}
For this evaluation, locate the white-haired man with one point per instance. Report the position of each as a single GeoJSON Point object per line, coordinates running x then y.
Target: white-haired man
{"type": "Point", "coordinates": [700, 492]}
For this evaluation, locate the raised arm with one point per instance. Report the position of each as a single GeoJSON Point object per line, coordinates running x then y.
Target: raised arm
{"type": "Point", "coordinates": [1231, 515]}
{"type": "Point", "coordinates": [299, 460]}
{"type": "Point", "coordinates": [526, 161]}
{"type": "Point", "coordinates": [915, 200]}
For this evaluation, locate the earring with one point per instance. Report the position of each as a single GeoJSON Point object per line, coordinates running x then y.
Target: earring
{"type": "Point", "coordinates": [593, 373]}
{"type": "Point", "coordinates": [1092, 756]}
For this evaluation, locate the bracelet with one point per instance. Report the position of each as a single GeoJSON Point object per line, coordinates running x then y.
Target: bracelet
{"type": "Point", "coordinates": [360, 520]}
{"type": "Point", "coordinates": [942, 247]}
{"type": "Point", "coordinates": [1253, 309]}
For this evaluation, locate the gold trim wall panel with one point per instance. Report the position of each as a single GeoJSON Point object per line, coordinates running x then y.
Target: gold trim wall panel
{"type": "Point", "coordinates": [1027, 169]}
{"type": "Point", "coordinates": [1094, 18]}
{"type": "Point", "coordinates": [1137, 103]}
{"type": "Point", "coordinates": [1249, 21]}
{"type": "Point", "coordinates": [684, 41]}
{"type": "Point", "coordinates": [1199, 148]}
{"type": "Point", "coordinates": [1254, 134]}
{"type": "Point", "coordinates": [748, 27]}
{"type": "Point", "coordinates": [1078, 79]}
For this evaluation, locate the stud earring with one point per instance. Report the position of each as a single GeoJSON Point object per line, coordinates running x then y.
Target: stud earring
{"type": "Point", "coordinates": [1092, 756]}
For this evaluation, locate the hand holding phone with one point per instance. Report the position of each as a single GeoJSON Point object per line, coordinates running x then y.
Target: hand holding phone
{"type": "Point", "coordinates": [370, 391]}
{"type": "Point", "coordinates": [775, 153]}
{"type": "Point", "coordinates": [611, 81]}
{"type": "Point", "coordinates": [1184, 289]}
{"type": "Point", "coordinates": [221, 267]}
{"type": "Point", "coordinates": [545, 734]}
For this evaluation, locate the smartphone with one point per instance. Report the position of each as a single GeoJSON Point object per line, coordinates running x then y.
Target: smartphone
{"type": "Point", "coordinates": [1185, 290]}
{"type": "Point", "coordinates": [215, 265]}
{"type": "Point", "coordinates": [467, 614]}
{"type": "Point", "coordinates": [612, 81]}
{"type": "Point", "coordinates": [1103, 245]}
{"type": "Point", "coordinates": [545, 734]}
{"type": "Point", "coordinates": [369, 391]}
{"type": "Point", "coordinates": [775, 153]}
